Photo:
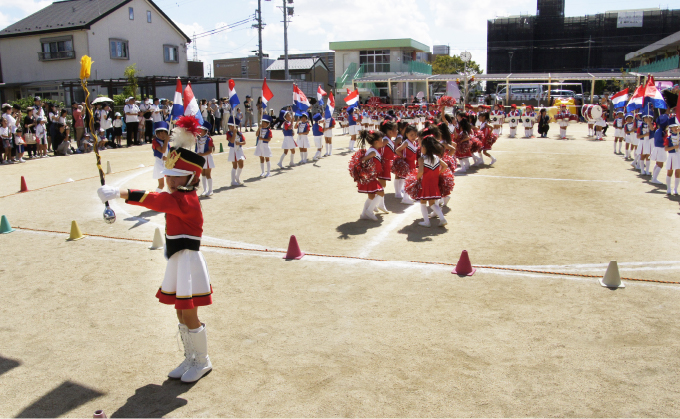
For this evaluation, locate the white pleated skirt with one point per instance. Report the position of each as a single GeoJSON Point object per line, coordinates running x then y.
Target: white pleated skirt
{"type": "Point", "coordinates": [187, 282]}
{"type": "Point", "coordinates": [158, 167]}
{"type": "Point", "coordinates": [288, 143]}
{"type": "Point", "coordinates": [303, 141]}
{"type": "Point", "coordinates": [236, 154]}
{"type": "Point", "coordinates": [263, 150]}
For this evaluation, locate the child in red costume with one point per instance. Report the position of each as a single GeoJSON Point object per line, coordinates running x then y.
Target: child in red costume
{"type": "Point", "coordinates": [187, 283]}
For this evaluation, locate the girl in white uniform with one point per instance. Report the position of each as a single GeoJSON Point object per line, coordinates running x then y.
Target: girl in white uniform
{"type": "Point", "coordinates": [262, 150]}
{"type": "Point", "coordinates": [302, 128]}
{"type": "Point", "coordinates": [236, 156]}
{"type": "Point", "coordinates": [328, 125]}
{"type": "Point", "coordinates": [159, 145]}
{"type": "Point", "coordinates": [673, 161]}
{"type": "Point", "coordinates": [317, 132]}
{"type": "Point", "coordinates": [645, 144]}
{"type": "Point", "coordinates": [288, 140]}
{"type": "Point", "coordinates": [619, 131]}
{"type": "Point", "coordinates": [631, 137]}
{"type": "Point", "coordinates": [204, 148]}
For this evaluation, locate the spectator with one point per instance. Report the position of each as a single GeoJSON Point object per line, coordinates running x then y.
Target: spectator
{"type": "Point", "coordinates": [105, 123]}
{"type": "Point", "coordinates": [29, 133]}
{"type": "Point", "coordinates": [131, 111]}
{"type": "Point", "coordinates": [239, 118]}
{"type": "Point", "coordinates": [52, 120]}
{"type": "Point", "coordinates": [248, 106]}
{"type": "Point", "coordinates": [226, 112]}
{"type": "Point", "coordinates": [62, 141]}
{"type": "Point", "coordinates": [78, 125]}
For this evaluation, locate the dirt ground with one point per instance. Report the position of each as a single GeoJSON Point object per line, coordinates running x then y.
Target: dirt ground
{"type": "Point", "coordinates": [330, 337]}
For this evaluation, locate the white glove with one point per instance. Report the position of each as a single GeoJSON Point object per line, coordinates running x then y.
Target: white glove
{"type": "Point", "coordinates": [107, 193]}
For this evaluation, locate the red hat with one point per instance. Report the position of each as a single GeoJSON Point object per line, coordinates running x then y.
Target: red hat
{"type": "Point", "coordinates": [181, 160]}
{"type": "Point", "coordinates": [513, 106]}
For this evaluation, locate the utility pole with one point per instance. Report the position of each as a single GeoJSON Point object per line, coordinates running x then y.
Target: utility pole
{"type": "Point", "coordinates": [285, 39]}
{"type": "Point", "coordinates": [511, 53]}
{"type": "Point", "coordinates": [259, 27]}
{"type": "Point", "coordinates": [589, 41]}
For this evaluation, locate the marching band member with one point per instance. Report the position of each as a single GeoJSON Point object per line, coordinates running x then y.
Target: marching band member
{"type": "Point", "coordinates": [262, 150]}
{"type": "Point", "coordinates": [563, 121]}
{"type": "Point", "coordinates": [204, 148]}
{"type": "Point", "coordinates": [288, 140]}
{"type": "Point", "coordinates": [236, 155]}
{"type": "Point", "coordinates": [659, 149]}
{"type": "Point", "coordinates": [409, 151]}
{"type": "Point", "coordinates": [353, 127]}
{"type": "Point", "coordinates": [373, 189]}
{"type": "Point", "coordinates": [600, 123]}
{"type": "Point", "coordinates": [645, 132]}
{"type": "Point", "coordinates": [302, 127]}
{"type": "Point", "coordinates": [672, 145]}
{"type": "Point", "coordinates": [317, 133]}
{"type": "Point", "coordinates": [388, 154]}
{"type": "Point", "coordinates": [516, 114]}
{"type": "Point", "coordinates": [429, 166]}
{"type": "Point", "coordinates": [328, 125]}
{"type": "Point", "coordinates": [159, 145]}
{"type": "Point", "coordinates": [619, 132]}
{"type": "Point", "coordinates": [186, 284]}
{"type": "Point", "coordinates": [631, 137]}
{"type": "Point", "coordinates": [529, 125]}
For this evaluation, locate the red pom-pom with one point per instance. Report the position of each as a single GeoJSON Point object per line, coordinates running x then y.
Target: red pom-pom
{"type": "Point", "coordinates": [450, 161]}
{"type": "Point", "coordinates": [446, 101]}
{"type": "Point", "coordinates": [362, 172]}
{"type": "Point", "coordinates": [490, 140]}
{"type": "Point", "coordinates": [446, 182]}
{"type": "Point", "coordinates": [476, 144]}
{"type": "Point", "coordinates": [400, 167]}
{"type": "Point", "coordinates": [412, 185]}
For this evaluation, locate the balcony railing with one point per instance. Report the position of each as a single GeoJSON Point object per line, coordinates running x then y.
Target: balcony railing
{"type": "Point", "coordinates": [60, 55]}
{"type": "Point", "coordinates": [666, 64]}
{"type": "Point", "coordinates": [355, 72]}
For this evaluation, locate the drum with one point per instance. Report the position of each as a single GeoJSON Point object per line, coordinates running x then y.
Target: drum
{"type": "Point", "coordinates": [495, 120]}
{"type": "Point", "coordinates": [573, 119]}
{"type": "Point", "coordinates": [526, 119]}
{"type": "Point", "coordinates": [591, 112]}
{"type": "Point", "coordinates": [513, 120]}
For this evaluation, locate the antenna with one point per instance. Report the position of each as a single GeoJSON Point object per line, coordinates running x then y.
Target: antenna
{"type": "Point", "coordinates": [195, 49]}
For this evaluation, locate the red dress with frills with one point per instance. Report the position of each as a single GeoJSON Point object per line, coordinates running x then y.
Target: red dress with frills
{"type": "Point", "coordinates": [411, 154]}
{"type": "Point", "coordinates": [430, 180]}
{"type": "Point", "coordinates": [373, 186]}
{"type": "Point", "coordinates": [463, 150]}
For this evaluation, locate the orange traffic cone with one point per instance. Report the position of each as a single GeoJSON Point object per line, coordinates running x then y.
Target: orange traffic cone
{"type": "Point", "coordinates": [24, 188]}
{"type": "Point", "coordinates": [294, 251]}
{"type": "Point", "coordinates": [464, 267]}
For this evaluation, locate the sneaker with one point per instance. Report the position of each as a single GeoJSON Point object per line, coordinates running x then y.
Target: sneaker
{"type": "Point", "coordinates": [425, 223]}
{"type": "Point", "coordinates": [268, 175]}
{"type": "Point", "coordinates": [22, 161]}
{"type": "Point", "coordinates": [280, 165]}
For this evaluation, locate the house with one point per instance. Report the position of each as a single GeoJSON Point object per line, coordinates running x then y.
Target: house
{"type": "Point", "coordinates": [307, 73]}
{"type": "Point", "coordinates": [391, 58]}
{"type": "Point", "coordinates": [246, 67]}
{"type": "Point", "coordinates": [328, 58]}
{"type": "Point", "coordinates": [44, 49]}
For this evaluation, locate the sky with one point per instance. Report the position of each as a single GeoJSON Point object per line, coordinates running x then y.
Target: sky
{"type": "Point", "coordinates": [459, 24]}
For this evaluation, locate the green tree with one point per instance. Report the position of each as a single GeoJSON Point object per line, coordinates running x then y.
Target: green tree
{"type": "Point", "coordinates": [445, 64]}
{"type": "Point", "coordinates": [131, 74]}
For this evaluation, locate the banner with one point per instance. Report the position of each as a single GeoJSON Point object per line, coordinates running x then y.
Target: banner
{"type": "Point", "coordinates": [630, 19]}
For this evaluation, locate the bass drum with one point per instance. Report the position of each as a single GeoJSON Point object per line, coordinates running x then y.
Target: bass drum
{"type": "Point", "coordinates": [526, 119]}
{"type": "Point", "coordinates": [513, 121]}
{"type": "Point", "coordinates": [495, 120]}
{"type": "Point", "coordinates": [573, 119]}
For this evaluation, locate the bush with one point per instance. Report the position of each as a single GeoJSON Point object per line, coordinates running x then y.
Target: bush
{"type": "Point", "coordinates": [28, 101]}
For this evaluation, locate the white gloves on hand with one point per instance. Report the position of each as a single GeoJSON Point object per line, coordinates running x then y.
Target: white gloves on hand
{"type": "Point", "coordinates": [107, 193]}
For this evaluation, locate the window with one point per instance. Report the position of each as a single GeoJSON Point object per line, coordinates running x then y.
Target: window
{"type": "Point", "coordinates": [170, 54]}
{"type": "Point", "coordinates": [119, 49]}
{"type": "Point", "coordinates": [377, 61]}
{"type": "Point", "coordinates": [406, 57]}
{"type": "Point", "coordinates": [59, 48]}
{"type": "Point", "coordinates": [148, 16]}
{"type": "Point", "coordinates": [131, 11]}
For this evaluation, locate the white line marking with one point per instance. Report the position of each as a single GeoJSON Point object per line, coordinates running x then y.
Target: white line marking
{"type": "Point", "coordinates": [384, 231]}
{"type": "Point", "coordinates": [547, 178]}
{"type": "Point", "coordinates": [378, 264]}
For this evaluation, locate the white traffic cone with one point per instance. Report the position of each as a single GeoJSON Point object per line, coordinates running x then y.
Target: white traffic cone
{"type": "Point", "coordinates": [611, 278]}
{"type": "Point", "coordinates": [157, 240]}
{"type": "Point", "coordinates": [108, 167]}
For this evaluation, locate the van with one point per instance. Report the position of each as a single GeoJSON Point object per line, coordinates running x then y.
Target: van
{"type": "Point", "coordinates": [528, 94]}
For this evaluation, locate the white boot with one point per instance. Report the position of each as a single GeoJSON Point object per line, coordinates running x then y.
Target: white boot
{"type": "Point", "coordinates": [446, 200]}
{"type": "Point", "coordinates": [210, 191]}
{"type": "Point", "coordinates": [381, 204]}
{"type": "Point", "coordinates": [201, 364]}
{"type": "Point", "coordinates": [493, 160]}
{"type": "Point", "coordinates": [188, 354]}
{"type": "Point", "coordinates": [655, 174]}
{"type": "Point", "coordinates": [238, 176]}
{"type": "Point", "coordinates": [233, 177]}
{"type": "Point", "coordinates": [368, 211]}
{"type": "Point", "coordinates": [262, 169]}
{"type": "Point", "coordinates": [292, 159]}
{"type": "Point", "coordinates": [426, 217]}
{"type": "Point", "coordinates": [437, 210]}
{"type": "Point", "coordinates": [205, 188]}
{"type": "Point", "coordinates": [397, 189]}
{"type": "Point", "coordinates": [406, 199]}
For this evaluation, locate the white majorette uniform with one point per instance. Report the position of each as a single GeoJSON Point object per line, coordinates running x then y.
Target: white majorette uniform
{"type": "Point", "coordinates": [262, 147]}
{"type": "Point", "coordinates": [563, 121]}
{"type": "Point", "coordinates": [203, 145]}
{"type": "Point", "coordinates": [631, 133]}
{"type": "Point", "coordinates": [352, 121]}
{"type": "Point", "coordinates": [513, 114]}
{"type": "Point", "coordinates": [157, 146]}
{"type": "Point", "coordinates": [317, 132]}
{"type": "Point", "coordinates": [645, 144]}
{"type": "Point", "coordinates": [329, 123]}
{"type": "Point", "coordinates": [235, 150]}
{"type": "Point", "coordinates": [529, 125]}
{"type": "Point", "coordinates": [618, 128]}
{"type": "Point", "coordinates": [303, 141]}
{"type": "Point", "coordinates": [673, 160]}
{"type": "Point", "coordinates": [288, 138]}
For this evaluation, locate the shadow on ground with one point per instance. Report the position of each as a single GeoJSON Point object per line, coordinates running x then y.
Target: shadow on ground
{"type": "Point", "coordinates": [63, 399]}
{"type": "Point", "coordinates": [154, 401]}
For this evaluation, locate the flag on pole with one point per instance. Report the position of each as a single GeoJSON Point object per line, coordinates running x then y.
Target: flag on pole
{"type": "Point", "coordinates": [352, 98]}
{"type": "Point", "coordinates": [267, 94]}
{"type": "Point", "coordinates": [233, 97]}
{"type": "Point", "coordinates": [191, 107]}
{"type": "Point", "coordinates": [330, 106]}
{"type": "Point", "coordinates": [636, 100]}
{"type": "Point", "coordinates": [300, 101]}
{"type": "Point", "coordinates": [619, 100]}
{"type": "Point", "coordinates": [320, 93]}
{"type": "Point", "coordinates": [653, 95]}
{"type": "Point", "coordinates": [177, 104]}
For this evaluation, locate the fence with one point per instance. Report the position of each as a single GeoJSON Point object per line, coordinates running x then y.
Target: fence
{"type": "Point", "coordinates": [666, 64]}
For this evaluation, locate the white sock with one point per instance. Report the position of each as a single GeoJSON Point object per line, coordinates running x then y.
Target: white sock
{"type": "Point", "coordinates": [437, 210]}
{"type": "Point", "coordinates": [330, 149]}
{"type": "Point", "coordinates": [351, 145]}
{"type": "Point", "coordinates": [677, 181]}
{"type": "Point", "coordinates": [204, 183]}
{"type": "Point", "coordinates": [238, 174]}
{"type": "Point", "coordinates": [382, 203]}
{"type": "Point", "coordinates": [233, 175]}
{"type": "Point", "coordinates": [668, 184]}
{"type": "Point", "coordinates": [366, 205]}
{"type": "Point", "coordinates": [282, 157]}
{"type": "Point", "coordinates": [614, 146]}
{"type": "Point", "coordinates": [292, 158]}
{"type": "Point", "coordinates": [627, 153]}
{"type": "Point", "coordinates": [397, 188]}
{"type": "Point", "coordinates": [373, 204]}
{"type": "Point", "coordinates": [656, 171]}
{"type": "Point", "coordinates": [425, 212]}
{"type": "Point", "coordinates": [262, 167]}
{"type": "Point", "coordinates": [210, 185]}
{"type": "Point", "coordinates": [648, 163]}
{"type": "Point", "coordinates": [268, 165]}
{"type": "Point", "coordinates": [620, 145]}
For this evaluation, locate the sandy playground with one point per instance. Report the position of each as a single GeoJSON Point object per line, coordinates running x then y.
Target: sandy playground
{"type": "Point", "coordinates": [327, 336]}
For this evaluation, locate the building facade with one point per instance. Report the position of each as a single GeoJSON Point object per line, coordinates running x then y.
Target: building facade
{"type": "Point", "coordinates": [44, 49]}
{"type": "Point", "coordinates": [396, 57]}
{"type": "Point", "coordinates": [243, 68]}
{"type": "Point", "coordinates": [307, 73]}
{"type": "Point", "coordinates": [550, 42]}
{"type": "Point", "coordinates": [328, 58]}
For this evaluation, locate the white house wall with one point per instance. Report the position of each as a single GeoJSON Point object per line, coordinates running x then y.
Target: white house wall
{"type": "Point", "coordinates": [20, 63]}
{"type": "Point", "coordinates": [145, 42]}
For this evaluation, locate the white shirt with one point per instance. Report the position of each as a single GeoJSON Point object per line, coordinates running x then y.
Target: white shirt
{"type": "Point", "coordinates": [117, 123]}
{"type": "Point", "coordinates": [11, 122]}
{"type": "Point", "coordinates": [156, 113]}
{"type": "Point", "coordinates": [104, 122]}
{"type": "Point", "coordinates": [38, 112]}
{"type": "Point", "coordinates": [132, 109]}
